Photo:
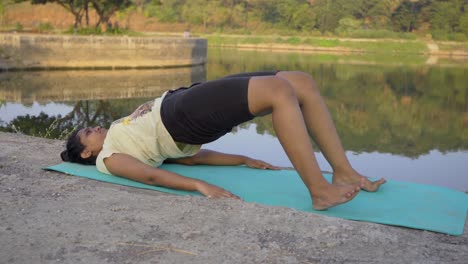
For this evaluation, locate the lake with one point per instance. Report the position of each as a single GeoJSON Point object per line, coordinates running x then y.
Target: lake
{"type": "Point", "coordinates": [402, 118]}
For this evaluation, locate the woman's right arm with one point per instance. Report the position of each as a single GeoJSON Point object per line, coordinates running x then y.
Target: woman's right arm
{"type": "Point", "coordinates": [131, 168]}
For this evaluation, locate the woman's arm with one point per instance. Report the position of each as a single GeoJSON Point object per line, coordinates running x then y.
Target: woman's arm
{"type": "Point", "coordinates": [210, 157]}
{"type": "Point", "coordinates": [131, 168]}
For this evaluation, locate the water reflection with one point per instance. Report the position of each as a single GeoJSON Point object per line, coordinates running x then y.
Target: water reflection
{"type": "Point", "coordinates": [406, 109]}
{"type": "Point", "coordinates": [59, 86]}
{"type": "Point", "coordinates": [382, 107]}
{"type": "Point", "coordinates": [89, 97]}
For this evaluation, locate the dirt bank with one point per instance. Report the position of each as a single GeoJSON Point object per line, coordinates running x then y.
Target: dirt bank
{"type": "Point", "coordinates": [47, 217]}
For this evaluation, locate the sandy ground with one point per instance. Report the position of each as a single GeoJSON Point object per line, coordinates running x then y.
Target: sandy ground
{"type": "Point", "coordinates": [48, 217]}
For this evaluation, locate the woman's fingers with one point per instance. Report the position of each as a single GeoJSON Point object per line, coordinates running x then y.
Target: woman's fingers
{"type": "Point", "coordinates": [226, 194]}
{"type": "Point", "coordinates": [211, 191]}
{"type": "Point", "coordinates": [260, 164]}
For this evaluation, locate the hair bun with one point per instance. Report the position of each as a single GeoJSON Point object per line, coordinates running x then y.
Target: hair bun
{"type": "Point", "coordinates": [64, 156]}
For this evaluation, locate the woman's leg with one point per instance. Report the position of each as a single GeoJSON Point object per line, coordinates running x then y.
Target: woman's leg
{"type": "Point", "coordinates": [275, 95]}
{"type": "Point", "coordinates": [322, 129]}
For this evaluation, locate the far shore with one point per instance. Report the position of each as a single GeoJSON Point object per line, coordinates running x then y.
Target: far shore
{"type": "Point", "coordinates": [340, 50]}
{"type": "Point", "coordinates": [330, 45]}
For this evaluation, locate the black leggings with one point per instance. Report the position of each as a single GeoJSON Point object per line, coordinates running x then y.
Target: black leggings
{"type": "Point", "coordinates": [206, 111]}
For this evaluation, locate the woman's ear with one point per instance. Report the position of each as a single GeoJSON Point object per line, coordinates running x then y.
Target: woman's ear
{"type": "Point", "coordinates": [86, 154]}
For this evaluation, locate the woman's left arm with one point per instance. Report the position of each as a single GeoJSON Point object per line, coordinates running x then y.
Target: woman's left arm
{"type": "Point", "coordinates": [210, 157]}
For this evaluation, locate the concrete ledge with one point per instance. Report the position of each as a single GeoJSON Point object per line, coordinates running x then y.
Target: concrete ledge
{"type": "Point", "coordinates": [30, 51]}
{"type": "Point", "coordinates": [48, 217]}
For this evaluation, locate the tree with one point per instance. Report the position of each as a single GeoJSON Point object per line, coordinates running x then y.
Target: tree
{"type": "Point", "coordinates": [106, 8]}
{"type": "Point", "coordinates": [464, 24]}
{"type": "Point", "coordinates": [3, 4]}
{"type": "Point", "coordinates": [406, 18]}
{"type": "Point", "coordinates": [445, 15]}
{"type": "Point", "coordinates": [348, 25]}
{"type": "Point", "coordinates": [76, 7]}
{"type": "Point", "coordinates": [165, 10]}
{"type": "Point", "coordinates": [329, 13]}
{"type": "Point", "coordinates": [295, 14]}
{"type": "Point", "coordinates": [199, 12]}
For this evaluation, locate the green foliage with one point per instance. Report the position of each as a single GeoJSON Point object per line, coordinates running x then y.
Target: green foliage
{"type": "Point", "coordinates": [458, 37]}
{"type": "Point", "coordinates": [75, 7]}
{"type": "Point", "coordinates": [45, 27]}
{"type": "Point", "coordinates": [444, 35]}
{"type": "Point", "coordinates": [294, 40]}
{"type": "Point", "coordinates": [18, 26]}
{"type": "Point", "coordinates": [444, 19]}
{"type": "Point", "coordinates": [328, 43]}
{"type": "Point", "coordinates": [382, 33]}
{"type": "Point", "coordinates": [252, 40]}
{"type": "Point", "coordinates": [371, 46]}
{"type": "Point", "coordinates": [79, 8]}
{"type": "Point", "coordinates": [463, 23]}
{"type": "Point", "coordinates": [347, 25]}
{"type": "Point", "coordinates": [164, 11]}
{"type": "Point", "coordinates": [445, 15]}
{"type": "Point", "coordinates": [84, 31]}
{"type": "Point", "coordinates": [107, 8]}
{"type": "Point", "coordinates": [357, 18]}
{"type": "Point", "coordinates": [2, 11]}
{"type": "Point", "coordinates": [407, 17]}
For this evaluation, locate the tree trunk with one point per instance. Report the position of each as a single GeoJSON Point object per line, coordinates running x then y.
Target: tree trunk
{"type": "Point", "coordinates": [86, 4]}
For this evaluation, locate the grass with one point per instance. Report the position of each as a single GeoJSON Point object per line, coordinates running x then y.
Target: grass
{"type": "Point", "coordinates": [97, 31]}
{"type": "Point", "coordinates": [364, 45]}
{"type": "Point", "coordinates": [453, 46]}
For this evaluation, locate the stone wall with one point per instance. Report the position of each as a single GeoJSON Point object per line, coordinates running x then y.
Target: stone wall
{"type": "Point", "coordinates": [30, 51]}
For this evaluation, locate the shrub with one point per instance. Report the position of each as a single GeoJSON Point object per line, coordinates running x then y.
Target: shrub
{"type": "Point", "coordinates": [457, 37]}
{"type": "Point", "coordinates": [322, 42]}
{"type": "Point", "coordinates": [294, 40]}
{"type": "Point", "coordinates": [97, 31]}
{"type": "Point", "coordinates": [253, 40]}
{"type": "Point", "coordinates": [439, 35]}
{"type": "Point", "coordinates": [84, 31]}
{"type": "Point", "coordinates": [45, 27]}
{"type": "Point", "coordinates": [18, 26]}
{"type": "Point", "coordinates": [381, 33]}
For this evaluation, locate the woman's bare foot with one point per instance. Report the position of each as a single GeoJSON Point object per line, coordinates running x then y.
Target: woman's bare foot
{"type": "Point", "coordinates": [353, 177]}
{"type": "Point", "coordinates": [334, 195]}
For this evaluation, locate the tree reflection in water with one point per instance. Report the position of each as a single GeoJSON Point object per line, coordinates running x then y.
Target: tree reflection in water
{"type": "Point", "coordinates": [84, 113]}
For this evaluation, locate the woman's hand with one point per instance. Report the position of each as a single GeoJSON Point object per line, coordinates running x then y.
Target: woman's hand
{"type": "Point", "coordinates": [259, 164]}
{"type": "Point", "coordinates": [212, 191]}
{"type": "Point", "coordinates": [210, 157]}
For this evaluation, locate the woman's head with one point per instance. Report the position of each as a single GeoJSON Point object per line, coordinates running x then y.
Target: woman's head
{"type": "Point", "coordinates": [84, 145]}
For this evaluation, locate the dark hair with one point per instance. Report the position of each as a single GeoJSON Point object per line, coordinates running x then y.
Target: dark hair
{"type": "Point", "coordinates": [74, 149]}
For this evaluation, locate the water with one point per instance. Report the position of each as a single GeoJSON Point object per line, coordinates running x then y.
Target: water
{"type": "Point", "coordinates": [400, 118]}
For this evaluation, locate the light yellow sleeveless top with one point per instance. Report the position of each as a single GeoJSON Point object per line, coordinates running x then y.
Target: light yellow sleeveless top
{"type": "Point", "coordinates": [143, 136]}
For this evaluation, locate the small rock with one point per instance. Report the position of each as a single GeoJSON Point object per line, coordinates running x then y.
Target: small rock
{"type": "Point", "coordinates": [190, 234]}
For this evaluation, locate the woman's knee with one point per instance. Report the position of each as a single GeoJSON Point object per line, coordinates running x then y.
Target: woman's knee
{"type": "Point", "coordinates": [302, 82]}
{"type": "Point", "coordinates": [282, 90]}
{"type": "Point", "coordinates": [265, 93]}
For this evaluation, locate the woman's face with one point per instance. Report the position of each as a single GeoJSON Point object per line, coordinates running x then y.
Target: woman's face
{"type": "Point", "coordinates": [92, 139]}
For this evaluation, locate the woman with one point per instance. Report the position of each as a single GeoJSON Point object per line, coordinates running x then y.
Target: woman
{"type": "Point", "coordinates": [172, 129]}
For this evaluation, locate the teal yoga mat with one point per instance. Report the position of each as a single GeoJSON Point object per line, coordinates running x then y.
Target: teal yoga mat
{"type": "Point", "coordinates": [396, 203]}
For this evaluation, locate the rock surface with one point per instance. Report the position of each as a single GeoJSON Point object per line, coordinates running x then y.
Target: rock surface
{"type": "Point", "coordinates": [48, 217]}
